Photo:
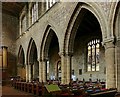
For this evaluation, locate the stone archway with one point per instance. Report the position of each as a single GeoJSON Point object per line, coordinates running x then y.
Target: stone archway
{"type": "Point", "coordinates": [48, 54]}
{"type": "Point", "coordinates": [21, 63]}
{"type": "Point", "coordinates": [75, 21]}
{"type": "Point", "coordinates": [70, 36]}
{"type": "Point", "coordinates": [116, 32]}
{"type": "Point", "coordinates": [32, 67]}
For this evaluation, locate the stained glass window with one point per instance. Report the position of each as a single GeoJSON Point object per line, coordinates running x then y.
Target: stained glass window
{"type": "Point", "coordinates": [93, 55]}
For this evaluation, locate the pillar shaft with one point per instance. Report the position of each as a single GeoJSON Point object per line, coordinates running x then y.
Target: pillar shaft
{"type": "Point", "coordinates": [110, 64]}
{"type": "Point", "coordinates": [65, 68]}
{"type": "Point", "coordinates": [68, 68]}
{"type": "Point", "coordinates": [29, 73]}
{"type": "Point", "coordinates": [118, 65]}
{"type": "Point", "coordinates": [0, 66]}
{"type": "Point", "coordinates": [1, 58]}
{"type": "Point", "coordinates": [44, 70]}
{"type": "Point", "coordinates": [4, 51]}
{"type": "Point", "coordinates": [63, 72]}
{"type": "Point", "coordinates": [40, 71]}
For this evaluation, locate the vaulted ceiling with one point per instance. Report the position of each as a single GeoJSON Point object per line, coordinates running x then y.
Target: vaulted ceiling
{"type": "Point", "coordinates": [12, 8]}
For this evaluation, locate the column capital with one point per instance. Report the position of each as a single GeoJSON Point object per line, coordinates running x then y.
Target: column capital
{"type": "Point", "coordinates": [109, 44]}
{"type": "Point", "coordinates": [4, 47]}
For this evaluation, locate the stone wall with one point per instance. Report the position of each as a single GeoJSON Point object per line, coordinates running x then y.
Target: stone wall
{"type": "Point", "coordinates": [9, 33]}
{"type": "Point", "coordinates": [58, 17]}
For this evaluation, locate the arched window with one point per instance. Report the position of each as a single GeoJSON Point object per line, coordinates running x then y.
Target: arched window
{"type": "Point", "coordinates": [48, 66]}
{"type": "Point", "coordinates": [23, 24]}
{"type": "Point", "coordinates": [50, 3]}
{"type": "Point", "coordinates": [93, 55]}
{"type": "Point", "coordinates": [34, 12]}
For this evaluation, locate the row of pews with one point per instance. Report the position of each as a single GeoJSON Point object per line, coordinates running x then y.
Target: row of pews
{"type": "Point", "coordinates": [74, 89]}
{"type": "Point", "coordinates": [34, 88]}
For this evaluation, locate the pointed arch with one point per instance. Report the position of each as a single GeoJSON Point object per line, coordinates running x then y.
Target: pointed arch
{"type": "Point", "coordinates": [30, 51]}
{"type": "Point", "coordinates": [115, 19]}
{"type": "Point", "coordinates": [46, 40]}
{"type": "Point", "coordinates": [21, 63]}
{"type": "Point", "coordinates": [116, 31]}
{"type": "Point", "coordinates": [21, 56]}
{"type": "Point", "coordinates": [75, 20]}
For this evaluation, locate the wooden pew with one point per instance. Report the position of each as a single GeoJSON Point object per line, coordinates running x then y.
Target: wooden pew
{"type": "Point", "coordinates": [22, 86]}
{"type": "Point", "coordinates": [29, 87]}
{"type": "Point", "coordinates": [25, 87]}
{"type": "Point", "coordinates": [109, 93]}
{"type": "Point", "coordinates": [37, 89]}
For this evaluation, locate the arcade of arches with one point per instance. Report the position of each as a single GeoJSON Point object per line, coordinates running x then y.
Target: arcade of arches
{"type": "Point", "coordinates": [78, 41]}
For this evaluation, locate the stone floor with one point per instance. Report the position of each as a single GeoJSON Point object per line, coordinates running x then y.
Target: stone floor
{"type": "Point", "coordinates": [8, 91]}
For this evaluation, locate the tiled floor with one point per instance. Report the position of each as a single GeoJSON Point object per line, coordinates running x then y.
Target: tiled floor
{"type": "Point", "coordinates": [8, 91]}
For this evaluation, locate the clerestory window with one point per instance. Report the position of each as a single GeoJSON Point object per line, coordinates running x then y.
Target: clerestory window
{"type": "Point", "coordinates": [34, 12]}
{"type": "Point", "coordinates": [23, 24]}
{"type": "Point", "coordinates": [49, 3]}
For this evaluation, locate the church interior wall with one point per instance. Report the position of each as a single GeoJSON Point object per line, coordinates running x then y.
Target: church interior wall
{"type": "Point", "coordinates": [9, 34]}
{"type": "Point", "coordinates": [58, 18]}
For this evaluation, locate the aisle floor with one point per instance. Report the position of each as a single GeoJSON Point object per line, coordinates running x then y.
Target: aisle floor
{"type": "Point", "coordinates": [8, 91]}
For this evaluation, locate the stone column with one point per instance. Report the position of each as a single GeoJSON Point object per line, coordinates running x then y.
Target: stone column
{"type": "Point", "coordinates": [1, 58]}
{"type": "Point", "coordinates": [4, 65]}
{"type": "Point", "coordinates": [68, 63]}
{"type": "Point", "coordinates": [63, 66]}
{"type": "Point", "coordinates": [4, 50]}
{"type": "Point", "coordinates": [110, 64]}
{"type": "Point", "coordinates": [27, 73]}
{"type": "Point", "coordinates": [40, 71]}
{"type": "Point", "coordinates": [0, 64]}
{"type": "Point", "coordinates": [44, 65]}
{"type": "Point", "coordinates": [118, 65]}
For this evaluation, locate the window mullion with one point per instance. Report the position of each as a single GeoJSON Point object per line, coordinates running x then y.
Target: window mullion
{"type": "Point", "coordinates": [95, 55]}
{"type": "Point", "coordinates": [91, 58]}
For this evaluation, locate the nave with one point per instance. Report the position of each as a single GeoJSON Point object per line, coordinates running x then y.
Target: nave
{"type": "Point", "coordinates": [8, 91]}
{"type": "Point", "coordinates": [56, 89]}
{"type": "Point", "coordinates": [61, 49]}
